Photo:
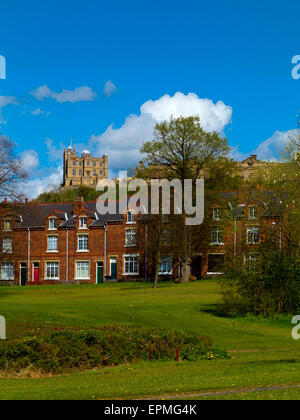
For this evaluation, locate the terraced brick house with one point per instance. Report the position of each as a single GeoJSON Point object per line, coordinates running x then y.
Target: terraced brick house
{"type": "Point", "coordinates": [72, 243]}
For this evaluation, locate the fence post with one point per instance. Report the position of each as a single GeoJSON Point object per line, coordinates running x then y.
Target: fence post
{"type": "Point", "coordinates": [177, 354]}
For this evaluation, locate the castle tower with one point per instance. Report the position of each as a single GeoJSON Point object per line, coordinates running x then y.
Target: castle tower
{"type": "Point", "coordinates": [84, 170]}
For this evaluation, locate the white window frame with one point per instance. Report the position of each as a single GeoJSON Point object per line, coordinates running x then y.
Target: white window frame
{"type": "Point", "coordinates": [217, 236]}
{"type": "Point", "coordinates": [130, 237]}
{"type": "Point", "coordinates": [83, 239]}
{"type": "Point", "coordinates": [166, 262]}
{"type": "Point", "coordinates": [253, 235]}
{"type": "Point", "coordinates": [51, 220]}
{"type": "Point", "coordinates": [130, 218]}
{"type": "Point", "coordinates": [251, 260]}
{"type": "Point", "coordinates": [217, 214]}
{"type": "Point", "coordinates": [7, 225]}
{"type": "Point", "coordinates": [251, 217]}
{"type": "Point", "coordinates": [7, 245]}
{"type": "Point", "coordinates": [212, 273]}
{"type": "Point", "coordinates": [49, 245]}
{"type": "Point", "coordinates": [81, 224]}
{"type": "Point", "coordinates": [54, 265]}
{"type": "Point", "coordinates": [134, 260]}
{"type": "Point", "coordinates": [79, 272]}
{"type": "Point", "coordinates": [9, 267]}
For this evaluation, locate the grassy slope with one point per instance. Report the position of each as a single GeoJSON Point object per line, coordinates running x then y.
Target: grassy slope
{"type": "Point", "coordinates": [175, 306]}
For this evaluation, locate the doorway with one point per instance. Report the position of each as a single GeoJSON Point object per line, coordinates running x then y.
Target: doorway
{"type": "Point", "coordinates": [23, 274]}
{"type": "Point", "coordinates": [36, 273]}
{"type": "Point", "coordinates": [99, 272]}
{"type": "Point", "coordinates": [113, 268]}
{"type": "Point", "coordinates": [196, 268]}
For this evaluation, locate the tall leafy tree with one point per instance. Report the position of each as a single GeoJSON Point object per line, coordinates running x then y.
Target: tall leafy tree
{"type": "Point", "coordinates": [182, 149]}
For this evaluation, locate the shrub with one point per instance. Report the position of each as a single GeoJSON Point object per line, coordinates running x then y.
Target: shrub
{"type": "Point", "coordinates": [179, 280]}
{"type": "Point", "coordinates": [270, 287]}
{"type": "Point", "coordinates": [82, 350]}
{"type": "Point", "coordinates": [192, 278]}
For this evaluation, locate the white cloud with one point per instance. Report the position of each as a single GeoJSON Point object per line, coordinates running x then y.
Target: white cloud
{"type": "Point", "coordinates": [55, 153]}
{"type": "Point", "coordinates": [109, 88]}
{"type": "Point", "coordinates": [36, 186]}
{"type": "Point", "coordinates": [270, 149]}
{"type": "Point", "coordinates": [29, 159]}
{"type": "Point", "coordinates": [213, 117]}
{"type": "Point", "coordinates": [39, 111]}
{"type": "Point", "coordinates": [81, 94]}
{"type": "Point", "coordinates": [5, 101]}
{"type": "Point", "coordinates": [123, 144]}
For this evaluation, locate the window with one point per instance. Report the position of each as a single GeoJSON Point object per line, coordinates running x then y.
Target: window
{"type": "Point", "coordinates": [52, 271]}
{"type": "Point", "coordinates": [130, 217]}
{"type": "Point", "coordinates": [83, 270]}
{"type": "Point", "coordinates": [88, 163]}
{"type": "Point", "coordinates": [94, 163]}
{"type": "Point", "coordinates": [165, 266]}
{"type": "Point", "coordinates": [74, 172]}
{"type": "Point", "coordinates": [52, 243]}
{"type": "Point", "coordinates": [130, 239]}
{"type": "Point", "coordinates": [80, 172]}
{"type": "Point", "coordinates": [216, 263]}
{"type": "Point", "coordinates": [74, 163]}
{"type": "Point", "coordinates": [252, 261]}
{"type": "Point", "coordinates": [217, 236]}
{"type": "Point", "coordinates": [80, 163]}
{"type": "Point", "coordinates": [83, 223]}
{"type": "Point", "coordinates": [253, 235]}
{"type": "Point", "coordinates": [101, 164]}
{"type": "Point", "coordinates": [217, 214]}
{"type": "Point", "coordinates": [7, 225]}
{"type": "Point", "coordinates": [7, 271]}
{"type": "Point", "coordinates": [83, 243]}
{"type": "Point", "coordinates": [101, 173]}
{"type": "Point", "coordinates": [252, 212]}
{"type": "Point", "coordinates": [95, 173]}
{"type": "Point", "coordinates": [131, 265]}
{"type": "Point", "coordinates": [52, 223]}
{"type": "Point", "coordinates": [7, 245]}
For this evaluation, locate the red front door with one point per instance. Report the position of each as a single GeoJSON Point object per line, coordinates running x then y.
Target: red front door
{"type": "Point", "coordinates": [36, 274]}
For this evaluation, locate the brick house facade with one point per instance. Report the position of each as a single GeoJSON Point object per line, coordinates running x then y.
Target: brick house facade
{"type": "Point", "coordinates": [72, 243]}
{"type": "Point", "coordinates": [66, 243]}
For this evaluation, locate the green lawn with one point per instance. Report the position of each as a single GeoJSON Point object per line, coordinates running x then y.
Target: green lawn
{"type": "Point", "coordinates": [189, 307]}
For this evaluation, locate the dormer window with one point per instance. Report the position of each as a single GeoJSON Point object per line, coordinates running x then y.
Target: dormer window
{"type": "Point", "coordinates": [83, 223]}
{"type": "Point", "coordinates": [217, 214]}
{"type": "Point", "coordinates": [52, 224]}
{"type": "Point", "coordinates": [253, 212]}
{"type": "Point", "coordinates": [130, 217]}
{"type": "Point", "coordinates": [7, 226]}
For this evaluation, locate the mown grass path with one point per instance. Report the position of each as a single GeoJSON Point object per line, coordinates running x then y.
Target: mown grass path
{"type": "Point", "coordinates": [264, 353]}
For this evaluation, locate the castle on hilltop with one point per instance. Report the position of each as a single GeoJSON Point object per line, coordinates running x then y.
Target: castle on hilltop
{"type": "Point", "coordinates": [84, 170]}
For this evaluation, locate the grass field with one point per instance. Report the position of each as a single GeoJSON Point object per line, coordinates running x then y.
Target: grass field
{"type": "Point", "coordinates": [264, 354]}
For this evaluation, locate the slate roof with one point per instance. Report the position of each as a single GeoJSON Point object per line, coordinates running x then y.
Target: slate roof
{"type": "Point", "coordinates": [35, 215]}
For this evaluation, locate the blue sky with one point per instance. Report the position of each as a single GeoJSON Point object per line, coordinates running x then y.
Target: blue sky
{"type": "Point", "coordinates": [235, 52]}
